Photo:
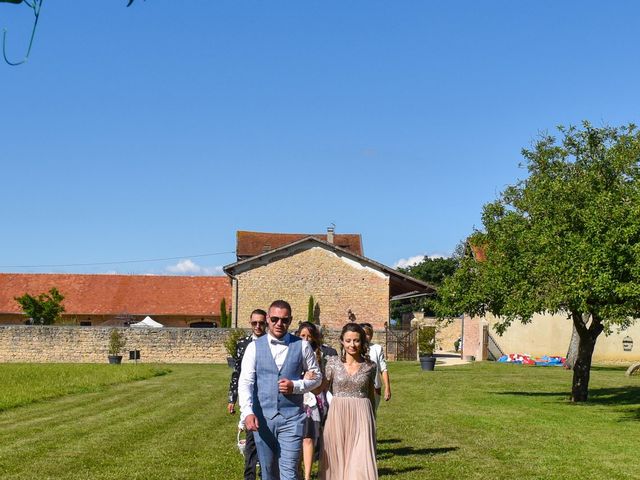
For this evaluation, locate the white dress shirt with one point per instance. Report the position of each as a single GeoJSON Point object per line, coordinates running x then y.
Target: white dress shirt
{"type": "Point", "coordinates": [376, 355]}
{"type": "Point", "coordinates": [279, 349]}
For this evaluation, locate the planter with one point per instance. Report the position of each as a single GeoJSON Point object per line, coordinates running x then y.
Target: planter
{"type": "Point", "coordinates": [115, 359]}
{"type": "Point", "coordinates": [231, 362]}
{"type": "Point", "coordinates": [428, 363]}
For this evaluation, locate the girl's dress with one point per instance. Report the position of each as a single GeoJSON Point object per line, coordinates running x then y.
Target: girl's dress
{"type": "Point", "coordinates": [349, 439]}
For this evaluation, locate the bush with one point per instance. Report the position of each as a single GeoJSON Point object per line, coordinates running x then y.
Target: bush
{"type": "Point", "coordinates": [116, 342]}
{"type": "Point", "coordinates": [426, 341]}
{"type": "Point", "coordinates": [231, 343]}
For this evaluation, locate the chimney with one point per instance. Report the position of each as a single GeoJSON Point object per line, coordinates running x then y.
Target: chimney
{"type": "Point", "coordinates": [330, 231]}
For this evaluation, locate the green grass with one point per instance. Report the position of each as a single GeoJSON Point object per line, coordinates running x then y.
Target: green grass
{"type": "Point", "coordinates": [470, 422]}
{"type": "Point", "coordinates": [23, 384]}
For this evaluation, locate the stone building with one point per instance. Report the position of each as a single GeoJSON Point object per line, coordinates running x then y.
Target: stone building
{"type": "Point", "coordinates": [118, 300]}
{"type": "Point", "coordinates": [344, 284]}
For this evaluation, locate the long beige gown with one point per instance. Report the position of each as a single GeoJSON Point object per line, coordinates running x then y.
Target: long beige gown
{"type": "Point", "coordinates": [349, 441]}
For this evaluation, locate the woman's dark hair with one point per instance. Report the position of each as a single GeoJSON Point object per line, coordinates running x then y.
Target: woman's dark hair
{"type": "Point", "coordinates": [364, 343]}
{"type": "Point", "coordinates": [313, 330]}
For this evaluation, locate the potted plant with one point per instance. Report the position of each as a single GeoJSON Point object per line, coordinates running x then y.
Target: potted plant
{"type": "Point", "coordinates": [116, 344]}
{"type": "Point", "coordinates": [426, 346]}
{"type": "Point", "coordinates": [231, 344]}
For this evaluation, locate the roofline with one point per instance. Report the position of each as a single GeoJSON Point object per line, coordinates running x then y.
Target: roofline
{"type": "Point", "coordinates": [230, 269]}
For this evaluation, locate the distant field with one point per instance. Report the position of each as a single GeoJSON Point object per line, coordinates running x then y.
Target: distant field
{"type": "Point", "coordinates": [479, 421]}
{"type": "Point", "coordinates": [22, 384]}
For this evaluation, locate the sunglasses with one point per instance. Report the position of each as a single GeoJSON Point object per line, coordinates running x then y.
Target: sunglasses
{"type": "Point", "coordinates": [256, 324]}
{"type": "Point", "coordinates": [284, 320]}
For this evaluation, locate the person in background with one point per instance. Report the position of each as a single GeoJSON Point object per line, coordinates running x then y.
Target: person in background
{"type": "Point", "coordinates": [376, 355]}
{"type": "Point", "coordinates": [315, 402]}
{"type": "Point", "coordinates": [258, 322]}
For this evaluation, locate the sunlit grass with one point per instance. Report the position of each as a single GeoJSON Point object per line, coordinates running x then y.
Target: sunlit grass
{"type": "Point", "coordinates": [469, 422]}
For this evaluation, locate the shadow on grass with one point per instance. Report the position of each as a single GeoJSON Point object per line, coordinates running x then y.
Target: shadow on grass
{"type": "Point", "coordinates": [397, 471]}
{"type": "Point", "coordinates": [385, 441]}
{"type": "Point", "coordinates": [404, 451]}
{"type": "Point", "coordinates": [597, 396]}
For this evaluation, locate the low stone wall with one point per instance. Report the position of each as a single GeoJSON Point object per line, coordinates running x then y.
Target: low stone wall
{"type": "Point", "coordinates": [21, 343]}
{"type": "Point", "coordinates": [69, 344]}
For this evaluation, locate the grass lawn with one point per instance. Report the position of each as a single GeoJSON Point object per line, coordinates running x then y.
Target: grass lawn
{"type": "Point", "coordinates": [469, 422]}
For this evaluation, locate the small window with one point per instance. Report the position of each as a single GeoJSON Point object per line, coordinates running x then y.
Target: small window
{"type": "Point", "coordinates": [85, 324]}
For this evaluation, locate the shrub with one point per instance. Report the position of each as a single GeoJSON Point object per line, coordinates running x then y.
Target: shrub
{"type": "Point", "coordinates": [231, 343]}
{"type": "Point", "coordinates": [116, 342]}
{"type": "Point", "coordinates": [426, 341]}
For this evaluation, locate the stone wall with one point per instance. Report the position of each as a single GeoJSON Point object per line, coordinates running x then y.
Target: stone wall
{"type": "Point", "coordinates": [337, 284]}
{"type": "Point", "coordinates": [60, 344]}
{"type": "Point", "coordinates": [45, 344]}
{"type": "Point", "coordinates": [447, 331]}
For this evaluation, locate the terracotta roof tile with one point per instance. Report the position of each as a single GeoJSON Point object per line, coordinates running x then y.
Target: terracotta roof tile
{"type": "Point", "coordinates": [117, 294]}
{"type": "Point", "coordinates": [250, 244]}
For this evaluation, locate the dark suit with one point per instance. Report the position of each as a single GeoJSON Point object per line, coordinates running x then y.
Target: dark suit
{"type": "Point", "coordinates": [250, 452]}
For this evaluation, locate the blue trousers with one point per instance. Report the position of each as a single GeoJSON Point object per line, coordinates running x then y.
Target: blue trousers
{"type": "Point", "coordinates": [279, 444]}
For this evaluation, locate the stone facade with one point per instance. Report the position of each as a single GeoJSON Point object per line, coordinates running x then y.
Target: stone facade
{"type": "Point", "coordinates": [338, 284]}
{"type": "Point", "coordinates": [59, 344]}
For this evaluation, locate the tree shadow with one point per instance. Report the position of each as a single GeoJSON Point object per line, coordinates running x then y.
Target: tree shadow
{"type": "Point", "coordinates": [385, 441]}
{"type": "Point", "coordinates": [397, 471]}
{"type": "Point", "coordinates": [614, 396]}
{"type": "Point", "coordinates": [404, 451]}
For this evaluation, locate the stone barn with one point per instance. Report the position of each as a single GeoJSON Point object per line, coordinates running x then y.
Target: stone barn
{"type": "Point", "coordinates": [345, 285]}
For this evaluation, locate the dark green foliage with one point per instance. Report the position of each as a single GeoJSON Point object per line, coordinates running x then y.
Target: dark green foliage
{"type": "Point", "coordinates": [430, 270]}
{"type": "Point", "coordinates": [45, 309]}
{"type": "Point", "coordinates": [565, 240]}
{"type": "Point", "coordinates": [310, 309]}
{"type": "Point", "coordinates": [225, 318]}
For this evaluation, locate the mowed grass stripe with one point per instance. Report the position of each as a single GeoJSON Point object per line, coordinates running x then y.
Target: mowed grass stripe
{"type": "Point", "coordinates": [128, 420]}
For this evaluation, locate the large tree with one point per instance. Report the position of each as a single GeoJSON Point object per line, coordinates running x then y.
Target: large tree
{"type": "Point", "coordinates": [45, 309]}
{"type": "Point", "coordinates": [564, 240]}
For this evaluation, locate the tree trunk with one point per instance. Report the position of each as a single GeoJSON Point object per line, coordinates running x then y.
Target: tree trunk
{"type": "Point", "coordinates": [574, 343]}
{"type": "Point", "coordinates": [582, 367]}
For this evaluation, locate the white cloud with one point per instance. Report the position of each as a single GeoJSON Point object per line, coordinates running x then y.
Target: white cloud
{"type": "Point", "coordinates": [409, 262]}
{"type": "Point", "coordinates": [189, 267]}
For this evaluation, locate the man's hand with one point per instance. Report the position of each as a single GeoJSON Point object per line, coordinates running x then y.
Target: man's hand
{"type": "Point", "coordinates": [251, 422]}
{"type": "Point", "coordinates": [387, 394]}
{"type": "Point", "coordinates": [231, 408]}
{"type": "Point", "coordinates": [285, 386]}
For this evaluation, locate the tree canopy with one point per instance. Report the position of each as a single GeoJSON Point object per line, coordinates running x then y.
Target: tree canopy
{"type": "Point", "coordinates": [564, 240]}
{"type": "Point", "coordinates": [45, 309]}
{"type": "Point", "coordinates": [430, 270]}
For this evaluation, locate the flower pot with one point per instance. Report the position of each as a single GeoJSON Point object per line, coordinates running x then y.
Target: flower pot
{"type": "Point", "coordinates": [115, 359]}
{"type": "Point", "coordinates": [428, 363]}
{"type": "Point", "coordinates": [231, 362]}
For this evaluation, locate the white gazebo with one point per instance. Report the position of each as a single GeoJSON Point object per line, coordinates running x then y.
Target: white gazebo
{"type": "Point", "coordinates": [148, 322]}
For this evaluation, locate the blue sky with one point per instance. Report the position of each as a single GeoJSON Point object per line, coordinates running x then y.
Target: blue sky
{"type": "Point", "coordinates": [159, 130]}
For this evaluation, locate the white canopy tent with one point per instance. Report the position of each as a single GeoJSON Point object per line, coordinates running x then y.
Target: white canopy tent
{"type": "Point", "coordinates": [148, 322]}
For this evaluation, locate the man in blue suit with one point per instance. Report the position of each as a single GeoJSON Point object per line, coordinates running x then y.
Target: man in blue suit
{"type": "Point", "coordinates": [270, 391]}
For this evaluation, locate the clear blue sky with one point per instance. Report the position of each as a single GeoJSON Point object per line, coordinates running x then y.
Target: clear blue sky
{"type": "Point", "coordinates": [159, 130]}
